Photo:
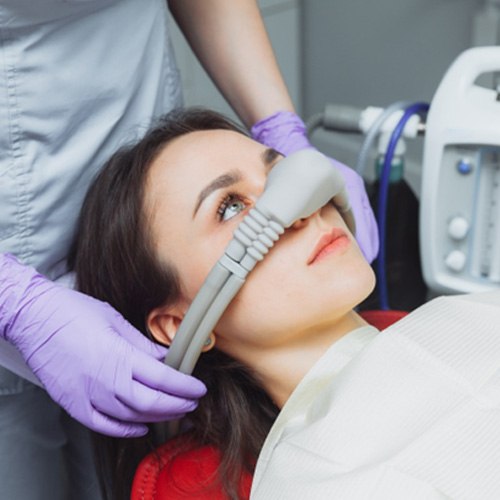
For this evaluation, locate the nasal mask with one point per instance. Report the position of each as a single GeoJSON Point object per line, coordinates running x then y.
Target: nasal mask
{"type": "Point", "coordinates": [296, 187]}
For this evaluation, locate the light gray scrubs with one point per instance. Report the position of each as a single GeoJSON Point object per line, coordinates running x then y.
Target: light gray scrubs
{"type": "Point", "coordinates": [78, 78]}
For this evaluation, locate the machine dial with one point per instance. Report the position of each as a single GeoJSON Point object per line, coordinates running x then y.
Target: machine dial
{"type": "Point", "coordinates": [458, 227]}
{"type": "Point", "coordinates": [455, 260]}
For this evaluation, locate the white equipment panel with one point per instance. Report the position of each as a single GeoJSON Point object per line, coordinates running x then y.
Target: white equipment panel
{"type": "Point", "coordinates": [460, 197]}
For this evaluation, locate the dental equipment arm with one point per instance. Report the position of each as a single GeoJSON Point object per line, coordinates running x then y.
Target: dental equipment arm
{"type": "Point", "coordinates": [296, 187]}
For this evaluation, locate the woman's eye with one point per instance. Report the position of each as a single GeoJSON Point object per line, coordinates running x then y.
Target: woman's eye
{"type": "Point", "coordinates": [230, 207]}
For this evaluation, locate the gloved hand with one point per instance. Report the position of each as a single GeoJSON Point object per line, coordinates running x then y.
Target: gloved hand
{"type": "Point", "coordinates": [92, 362]}
{"type": "Point", "coordinates": [286, 132]}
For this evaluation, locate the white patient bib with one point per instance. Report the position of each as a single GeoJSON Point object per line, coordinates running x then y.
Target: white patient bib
{"type": "Point", "coordinates": [415, 415]}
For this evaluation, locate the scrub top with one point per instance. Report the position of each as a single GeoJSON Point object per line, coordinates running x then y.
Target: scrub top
{"type": "Point", "coordinates": [78, 78]}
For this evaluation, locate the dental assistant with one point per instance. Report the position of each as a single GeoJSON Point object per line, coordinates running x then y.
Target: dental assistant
{"type": "Point", "coordinates": [79, 78]}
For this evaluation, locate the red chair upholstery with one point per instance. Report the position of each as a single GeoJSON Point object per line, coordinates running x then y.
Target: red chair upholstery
{"type": "Point", "coordinates": [168, 474]}
{"type": "Point", "coordinates": [382, 319]}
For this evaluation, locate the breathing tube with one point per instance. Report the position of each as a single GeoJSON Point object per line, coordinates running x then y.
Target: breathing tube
{"type": "Point", "coordinates": [373, 133]}
{"type": "Point", "coordinates": [296, 187]}
{"type": "Point", "coordinates": [381, 215]}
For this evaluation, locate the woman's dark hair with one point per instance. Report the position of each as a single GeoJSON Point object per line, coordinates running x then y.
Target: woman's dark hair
{"type": "Point", "coordinates": [115, 262]}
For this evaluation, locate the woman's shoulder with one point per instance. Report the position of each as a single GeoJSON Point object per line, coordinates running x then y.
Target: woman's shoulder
{"type": "Point", "coordinates": [181, 469]}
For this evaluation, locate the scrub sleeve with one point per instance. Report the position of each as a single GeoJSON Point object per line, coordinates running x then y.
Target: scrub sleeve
{"type": "Point", "coordinates": [78, 79]}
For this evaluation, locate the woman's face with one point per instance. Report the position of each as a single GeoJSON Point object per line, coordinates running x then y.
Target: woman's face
{"type": "Point", "coordinates": [198, 190]}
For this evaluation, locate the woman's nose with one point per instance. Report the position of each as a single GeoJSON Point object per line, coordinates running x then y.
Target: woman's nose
{"type": "Point", "coordinates": [300, 223]}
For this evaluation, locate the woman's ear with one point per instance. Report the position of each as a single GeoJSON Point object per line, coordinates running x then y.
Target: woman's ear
{"type": "Point", "coordinates": [163, 323]}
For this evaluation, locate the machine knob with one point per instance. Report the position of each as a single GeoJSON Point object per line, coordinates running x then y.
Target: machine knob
{"type": "Point", "coordinates": [465, 166]}
{"type": "Point", "coordinates": [455, 260]}
{"type": "Point", "coordinates": [458, 228]}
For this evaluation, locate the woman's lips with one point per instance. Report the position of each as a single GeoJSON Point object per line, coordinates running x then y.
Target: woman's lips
{"type": "Point", "coordinates": [334, 241]}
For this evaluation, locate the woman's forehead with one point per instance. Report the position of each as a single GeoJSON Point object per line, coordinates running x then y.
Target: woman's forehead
{"type": "Point", "coordinates": [204, 143]}
{"type": "Point", "coordinates": [189, 163]}
{"type": "Point", "coordinates": [202, 154]}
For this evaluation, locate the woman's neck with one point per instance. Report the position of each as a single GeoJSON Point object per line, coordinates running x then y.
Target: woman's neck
{"type": "Point", "coordinates": [280, 370]}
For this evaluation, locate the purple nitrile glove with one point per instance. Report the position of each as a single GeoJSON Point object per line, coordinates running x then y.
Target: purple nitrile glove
{"type": "Point", "coordinates": [286, 132]}
{"type": "Point", "coordinates": [93, 363]}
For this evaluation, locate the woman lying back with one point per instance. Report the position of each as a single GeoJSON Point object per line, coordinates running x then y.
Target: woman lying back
{"type": "Point", "coordinates": [157, 219]}
{"type": "Point", "coordinates": [154, 223]}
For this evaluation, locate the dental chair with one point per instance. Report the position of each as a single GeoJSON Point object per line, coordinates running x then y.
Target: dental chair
{"type": "Point", "coordinates": [170, 474]}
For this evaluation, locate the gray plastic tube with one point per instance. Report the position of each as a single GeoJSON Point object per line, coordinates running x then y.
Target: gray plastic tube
{"type": "Point", "coordinates": [373, 132]}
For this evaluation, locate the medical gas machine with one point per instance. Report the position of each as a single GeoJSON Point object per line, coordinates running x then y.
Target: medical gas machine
{"type": "Point", "coordinates": [460, 194]}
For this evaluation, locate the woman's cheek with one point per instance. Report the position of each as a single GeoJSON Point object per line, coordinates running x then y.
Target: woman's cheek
{"type": "Point", "coordinates": [197, 269]}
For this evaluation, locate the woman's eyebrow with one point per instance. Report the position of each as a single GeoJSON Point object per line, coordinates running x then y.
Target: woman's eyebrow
{"type": "Point", "coordinates": [268, 156]}
{"type": "Point", "coordinates": [224, 180]}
